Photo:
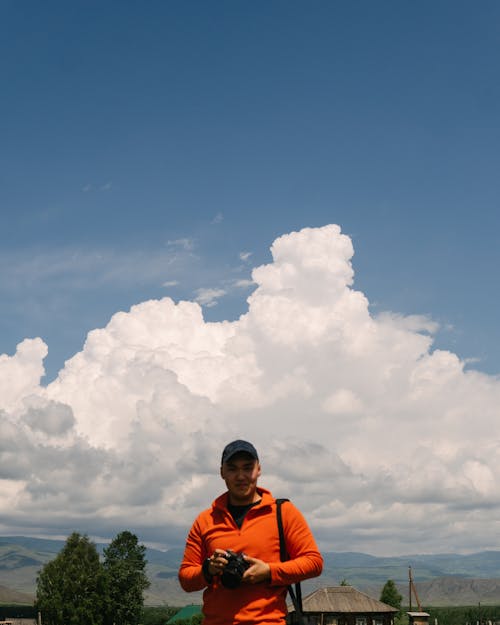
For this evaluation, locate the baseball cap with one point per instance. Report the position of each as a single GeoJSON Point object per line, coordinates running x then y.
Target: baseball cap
{"type": "Point", "coordinates": [236, 447]}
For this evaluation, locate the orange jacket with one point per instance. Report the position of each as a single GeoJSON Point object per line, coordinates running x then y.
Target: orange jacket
{"type": "Point", "coordinates": [258, 537]}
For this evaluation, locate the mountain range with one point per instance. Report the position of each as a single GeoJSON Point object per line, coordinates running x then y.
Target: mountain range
{"type": "Point", "coordinates": [441, 579]}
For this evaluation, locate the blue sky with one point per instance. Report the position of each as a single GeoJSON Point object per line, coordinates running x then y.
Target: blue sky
{"type": "Point", "coordinates": [158, 150]}
{"type": "Point", "coordinates": [128, 126]}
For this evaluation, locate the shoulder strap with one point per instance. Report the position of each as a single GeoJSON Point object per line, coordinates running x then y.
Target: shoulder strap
{"type": "Point", "coordinates": [283, 552]}
{"type": "Point", "coordinates": [296, 595]}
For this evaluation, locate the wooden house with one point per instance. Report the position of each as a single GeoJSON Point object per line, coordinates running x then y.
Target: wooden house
{"type": "Point", "coordinates": [418, 618]}
{"type": "Point", "coordinates": [343, 605]}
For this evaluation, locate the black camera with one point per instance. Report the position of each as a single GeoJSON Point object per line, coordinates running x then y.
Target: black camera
{"type": "Point", "coordinates": [234, 569]}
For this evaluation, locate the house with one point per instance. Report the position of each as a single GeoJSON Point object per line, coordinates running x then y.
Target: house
{"type": "Point", "coordinates": [418, 618]}
{"type": "Point", "coordinates": [343, 605]}
{"type": "Point", "coordinates": [185, 613]}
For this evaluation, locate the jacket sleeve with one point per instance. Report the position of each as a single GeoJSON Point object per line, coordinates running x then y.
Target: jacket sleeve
{"type": "Point", "coordinates": [191, 575]}
{"type": "Point", "coordinates": [305, 559]}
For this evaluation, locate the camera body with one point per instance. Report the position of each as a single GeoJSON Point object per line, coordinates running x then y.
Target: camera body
{"type": "Point", "coordinates": [234, 569]}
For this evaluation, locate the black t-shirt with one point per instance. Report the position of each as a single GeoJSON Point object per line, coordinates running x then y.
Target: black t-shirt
{"type": "Point", "coordinates": [238, 512]}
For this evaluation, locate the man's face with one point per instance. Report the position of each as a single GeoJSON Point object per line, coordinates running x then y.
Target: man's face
{"type": "Point", "coordinates": [240, 473]}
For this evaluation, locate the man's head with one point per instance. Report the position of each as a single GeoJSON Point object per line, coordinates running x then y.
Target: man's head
{"type": "Point", "coordinates": [237, 447]}
{"type": "Point", "coordinates": [240, 469]}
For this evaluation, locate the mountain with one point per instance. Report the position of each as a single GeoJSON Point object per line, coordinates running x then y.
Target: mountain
{"type": "Point", "coordinates": [442, 579]}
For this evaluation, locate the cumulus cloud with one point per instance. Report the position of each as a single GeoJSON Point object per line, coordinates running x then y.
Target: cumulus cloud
{"type": "Point", "coordinates": [50, 417]}
{"type": "Point", "coordinates": [20, 374]}
{"type": "Point", "coordinates": [386, 443]}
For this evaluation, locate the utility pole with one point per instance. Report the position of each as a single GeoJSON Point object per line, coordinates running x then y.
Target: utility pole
{"type": "Point", "coordinates": [412, 589]}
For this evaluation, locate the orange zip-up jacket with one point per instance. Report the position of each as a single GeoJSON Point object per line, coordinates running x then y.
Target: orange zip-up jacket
{"type": "Point", "coordinates": [258, 537]}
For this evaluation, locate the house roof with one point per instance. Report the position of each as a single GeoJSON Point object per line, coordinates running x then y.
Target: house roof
{"type": "Point", "coordinates": [185, 613]}
{"type": "Point", "coordinates": [343, 599]}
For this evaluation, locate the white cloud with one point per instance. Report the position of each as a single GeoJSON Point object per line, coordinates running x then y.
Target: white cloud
{"type": "Point", "coordinates": [103, 187]}
{"type": "Point", "coordinates": [20, 374]}
{"type": "Point", "coordinates": [342, 401]}
{"type": "Point", "coordinates": [244, 256]}
{"type": "Point", "coordinates": [386, 444]}
{"type": "Point", "coordinates": [187, 244]}
{"type": "Point", "coordinates": [208, 297]}
{"type": "Point", "coordinates": [74, 268]}
{"type": "Point", "coordinates": [243, 284]}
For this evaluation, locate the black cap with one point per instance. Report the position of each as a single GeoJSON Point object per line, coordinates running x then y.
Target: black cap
{"type": "Point", "coordinates": [236, 447]}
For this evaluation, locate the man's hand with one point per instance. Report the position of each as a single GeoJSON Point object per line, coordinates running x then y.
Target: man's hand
{"type": "Point", "coordinates": [217, 562]}
{"type": "Point", "coordinates": [258, 571]}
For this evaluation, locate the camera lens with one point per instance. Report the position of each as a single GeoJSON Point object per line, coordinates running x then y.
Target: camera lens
{"type": "Point", "coordinates": [234, 569]}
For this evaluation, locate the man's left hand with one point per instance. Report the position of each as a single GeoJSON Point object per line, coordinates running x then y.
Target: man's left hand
{"type": "Point", "coordinates": [258, 571]}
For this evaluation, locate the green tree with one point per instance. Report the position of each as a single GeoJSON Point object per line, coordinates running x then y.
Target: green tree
{"type": "Point", "coordinates": [196, 619]}
{"type": "Point", "coordinates": [124, 566]}
{"type": "Point", "coordinates": [391, 595]}
{"type": "Point", "coordinates": [344, 582]}
{"type": "Point", "coordinates": [71, 588]}
{"type": "Point", "coordinates": [158, 615]}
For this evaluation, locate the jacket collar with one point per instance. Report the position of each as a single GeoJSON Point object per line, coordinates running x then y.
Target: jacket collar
{"type": "Point", "coordinates": [266, 499]}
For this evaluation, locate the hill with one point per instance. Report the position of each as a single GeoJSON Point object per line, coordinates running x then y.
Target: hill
{"type": "Point", "coordinates": [443, 579]}
{"type": "Point", "coordinates": [450, 591]}
{"type": "Point", "coordinates": [7, 595]}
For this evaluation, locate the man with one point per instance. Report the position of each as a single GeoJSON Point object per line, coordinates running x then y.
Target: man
{"type": "Point", "coordinates": [243, 520]}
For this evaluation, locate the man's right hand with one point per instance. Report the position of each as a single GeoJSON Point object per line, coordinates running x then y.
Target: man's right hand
{"type": "Point", "coordinates": [217, 562]}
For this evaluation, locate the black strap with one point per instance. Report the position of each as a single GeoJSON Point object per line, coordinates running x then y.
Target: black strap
{"type": "Point", "coordinates": [295, 594]}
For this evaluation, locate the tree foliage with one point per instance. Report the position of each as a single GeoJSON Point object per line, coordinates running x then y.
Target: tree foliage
{"type": "Point", "coordinates": [462, 615]}
{"type": "Point", "coordinates": [158, 615]}
{"type": "Point", "coordinates": [196, 619]}
{"type": "Point", "coordinates": [391, 595]}
{"type": "Point", "coordinates": [124, 565]}
{"type": "Point", "coordinates": [76, 588]}
{"type": "Point", "coordinates": [71, 588]}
